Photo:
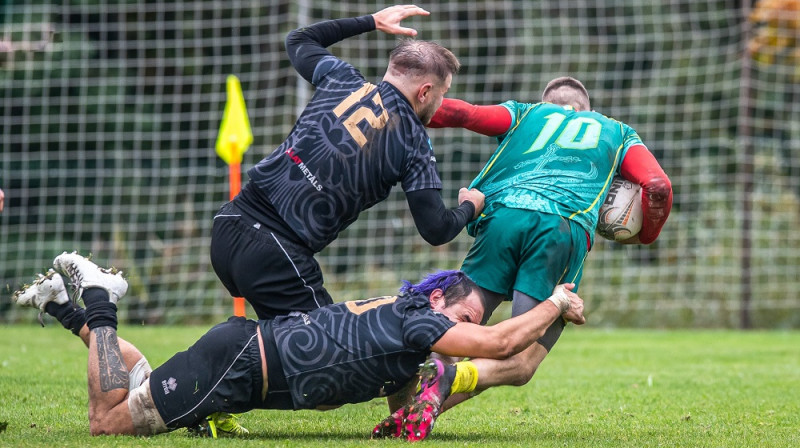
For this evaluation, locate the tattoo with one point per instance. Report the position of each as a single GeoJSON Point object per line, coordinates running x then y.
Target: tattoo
{"type": "Point", "coordinates": [113, 373]}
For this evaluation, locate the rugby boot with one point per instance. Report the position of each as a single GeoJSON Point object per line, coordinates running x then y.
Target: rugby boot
{"type": "Point", "coordinates": [84, 274]}
{"type": "Point", "coordinates": [436, 380]}
{"type": "Point", "coordinates": [45, 289]}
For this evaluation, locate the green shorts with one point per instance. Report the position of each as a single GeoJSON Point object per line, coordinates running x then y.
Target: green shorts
{"type": "Point", "coordinates": [527, 251]}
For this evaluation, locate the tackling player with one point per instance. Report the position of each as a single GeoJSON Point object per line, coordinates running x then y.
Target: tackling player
{"type": "Point", "coordinates": [544, 185]}
{"type": "Point", "coordinates": [343, 353]}
{"type": "Point", "coordinates": [353, 142]}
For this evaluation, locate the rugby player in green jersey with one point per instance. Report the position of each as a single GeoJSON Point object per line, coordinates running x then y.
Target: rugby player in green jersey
{"type": "Point", "coordinates": [544, 185]}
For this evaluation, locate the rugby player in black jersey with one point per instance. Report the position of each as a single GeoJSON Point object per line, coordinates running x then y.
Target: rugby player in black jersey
{"type": "Point", "coordinates": [343, 353]}
{"type": "Point", "coordinates": [353, 142]}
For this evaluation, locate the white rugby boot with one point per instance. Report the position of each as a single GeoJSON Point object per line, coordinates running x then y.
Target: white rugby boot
{"type": "Point", "coordinates": [45, 289]}
{"type": "Point", "coordinates": [85, 274]}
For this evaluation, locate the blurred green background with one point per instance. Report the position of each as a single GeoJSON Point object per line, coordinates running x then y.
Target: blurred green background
{"type": "Point", "coordinates": [111, 111]}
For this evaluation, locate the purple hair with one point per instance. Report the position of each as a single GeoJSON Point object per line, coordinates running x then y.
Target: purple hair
{"type": "Point", "coordinates": [454, 284]}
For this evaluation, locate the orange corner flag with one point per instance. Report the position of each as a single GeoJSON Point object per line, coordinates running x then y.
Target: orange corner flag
{"type": "Point", "coordinates": [235, 135]}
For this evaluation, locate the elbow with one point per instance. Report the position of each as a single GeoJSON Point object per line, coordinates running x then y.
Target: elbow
{"type": "Point", "coordinates": [435, 243]}
{"type": "Point", "coordinates": [657, 205]}
{"type": "Point", "coordinates": [506, 352]}
{"type": "Point", "coordinates": [433, 238]}
{"type": "Point", "coordinates": [293, 41]}
{"type": "Point", "coordinates": [505, 348]}
{"type": "Point", "coordinates": [659, 191]}
{"type": "Point", "coordinates": [292, 38]}
{"type": "Point", "coordinates": [291, 44]}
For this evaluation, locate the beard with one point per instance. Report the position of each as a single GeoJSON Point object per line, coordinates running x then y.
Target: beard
{"type": "Point", "coordinates": [426, 113]}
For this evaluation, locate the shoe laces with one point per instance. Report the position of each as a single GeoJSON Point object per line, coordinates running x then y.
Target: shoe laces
{"type": "Point", "coordinates": [75, 280]}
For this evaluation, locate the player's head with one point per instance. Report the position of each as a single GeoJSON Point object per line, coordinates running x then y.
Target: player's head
{"type": "Point", "coordinates": [423, 71]}
{"type": "Point", "coordinates": [451, 293]}
{"type": "Point", "coordinates": [566, 91]}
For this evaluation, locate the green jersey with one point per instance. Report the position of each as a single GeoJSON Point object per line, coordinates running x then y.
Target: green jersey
{"type": "Point", "coordinates": [554, 160]}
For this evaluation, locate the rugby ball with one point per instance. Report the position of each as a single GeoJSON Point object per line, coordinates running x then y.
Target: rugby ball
{"type": "Point", "coordinates": [620, 215]}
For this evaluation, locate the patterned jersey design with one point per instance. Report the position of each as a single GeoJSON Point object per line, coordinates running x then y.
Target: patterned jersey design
{"type": "Point", "coordinates": [349, 147]}
{"type": "Point", "coordinates": [351, 352]}
{"type": "Point", "coordinates": [555, 160]}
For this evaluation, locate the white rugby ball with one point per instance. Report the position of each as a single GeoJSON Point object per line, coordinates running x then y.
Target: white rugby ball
{"type": "Point", "coordinates": [620, 216]}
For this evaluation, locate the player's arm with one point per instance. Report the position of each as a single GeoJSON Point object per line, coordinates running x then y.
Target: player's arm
{"type": "Point", "coordinates": [641, 167]}
{"type": "Point", "coordinates": [514, 335]}
{"type": "Point", "coordinates": [436, 223]}
{"type": "Point", "coordinates": [306, 46]}
{"type": "Point", "coordinates": [487, 120]}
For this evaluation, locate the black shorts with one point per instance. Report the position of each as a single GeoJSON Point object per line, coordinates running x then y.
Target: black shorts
{"type": "Point", "coordinates": [221, 372]}
{"type": "Point", "coordinates": [272, 272]}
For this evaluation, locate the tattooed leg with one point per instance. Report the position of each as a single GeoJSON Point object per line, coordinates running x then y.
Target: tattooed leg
{"type": "Point", "coordinates": [108, 384]}
{"type": "Point", "coordinates": [112, 372]}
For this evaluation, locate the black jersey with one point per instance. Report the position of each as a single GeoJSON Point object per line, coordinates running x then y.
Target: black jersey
{"type": "Point", "coordinates": [349, 147]}
{"type": "Point", "coordinates": [351, 352]}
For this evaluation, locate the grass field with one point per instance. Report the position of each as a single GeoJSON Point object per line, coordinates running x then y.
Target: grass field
{"type": "Point", "coordinates": [597, 389]}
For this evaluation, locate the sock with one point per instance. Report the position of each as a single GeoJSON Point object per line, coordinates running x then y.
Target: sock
{"type": "Point", "coordinates": [71, 317]}
{"type": "Point", "coordinates": [99, 311]}
{"type": "Point", "coordinates": [92, 295]}
{"type": "Point", "coordinates": [466, 377]}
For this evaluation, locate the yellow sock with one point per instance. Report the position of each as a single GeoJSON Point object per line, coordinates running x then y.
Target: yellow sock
{"type": "Point", "coordinates": [466, 377]}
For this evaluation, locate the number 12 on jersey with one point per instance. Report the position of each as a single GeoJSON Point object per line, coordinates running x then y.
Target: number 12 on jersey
{"type": "Point", "coordinates": [362, 113]}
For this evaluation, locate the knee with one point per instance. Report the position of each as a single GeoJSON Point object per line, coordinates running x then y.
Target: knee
{"type": "Point", "coordinates": [524, 372]}
{"type": "Point", "coordinates": [100, 424]}
{"type": "Point", "coordinates": [97, 427]}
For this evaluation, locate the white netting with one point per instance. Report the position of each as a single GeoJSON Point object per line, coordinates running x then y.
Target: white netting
{"type": "Point", "coordinates": [111, 110]}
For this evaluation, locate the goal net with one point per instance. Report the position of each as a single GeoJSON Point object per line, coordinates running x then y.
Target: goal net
{"type": "Point", "coordinates": [111, 111]}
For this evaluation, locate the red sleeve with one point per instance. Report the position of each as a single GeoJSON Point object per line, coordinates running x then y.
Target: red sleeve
{"type": "Point", "coordinates": [487, 120]}
{"type": "Point", "coordinates": [641, 167]}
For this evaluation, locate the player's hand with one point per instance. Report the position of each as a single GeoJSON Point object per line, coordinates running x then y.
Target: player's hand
{"type": "Point", "coordinates": [388, 20]}
{"type": "Point", "coordinates": [574, 313]}
{"type": "Point", "coordinates": [474, 196]}
{"type": "Point", "coordinates": [2, 199]}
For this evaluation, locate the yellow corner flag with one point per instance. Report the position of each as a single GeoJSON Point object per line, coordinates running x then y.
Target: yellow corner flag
{"type": "Point", "coordinates": [233, 139]}
{"type": "Point", "coordinates": [235, 135]}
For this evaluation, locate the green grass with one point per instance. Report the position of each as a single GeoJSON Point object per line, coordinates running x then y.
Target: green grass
{"type": "Point", "coordinates": [597, 389]}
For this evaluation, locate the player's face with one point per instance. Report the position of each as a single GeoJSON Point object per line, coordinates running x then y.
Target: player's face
{"type": "Point", "coordinates": [470, 309]}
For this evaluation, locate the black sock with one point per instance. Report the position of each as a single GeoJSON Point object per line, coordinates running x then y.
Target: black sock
{"type": "Point", "coordinates": [92, 295]}
{"type": "Point", "coordinates": [72, 317]}
{"type": "Point", "coordinates": [99, 311]}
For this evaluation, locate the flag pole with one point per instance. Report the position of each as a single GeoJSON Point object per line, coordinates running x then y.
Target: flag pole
{"type": "Point", "coordinates": [235, 184]}
{"type": "Point", "coordinates": [233, 140]}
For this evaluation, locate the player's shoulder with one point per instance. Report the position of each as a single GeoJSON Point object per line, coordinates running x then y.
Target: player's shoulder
{"type": "Point", "coordinates": [413, 299]}
{"type": "Point", "coordinates": [602, 117]}
{"type": "Point", "coordinates": [518, 110]}
{"type": "Point", "coordinates": [332, 68]}
{"type": "Point", "coordinates": [516, 107]}
{"type": "Point", "coordinates": [623, 127]}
